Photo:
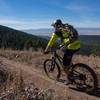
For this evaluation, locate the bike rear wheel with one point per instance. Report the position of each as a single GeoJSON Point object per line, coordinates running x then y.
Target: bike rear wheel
{"type": "Point", "coordinates": [84, 77]}
{"type": "Point", "coordinates": [51, 69]}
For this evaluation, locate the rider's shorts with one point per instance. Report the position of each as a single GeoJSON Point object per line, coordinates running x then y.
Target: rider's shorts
{"type": "Point", "coordinates": [68, 56]}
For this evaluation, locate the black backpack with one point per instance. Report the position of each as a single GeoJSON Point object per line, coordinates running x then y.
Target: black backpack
{"type": "Point", "coordinates": [72, 32]}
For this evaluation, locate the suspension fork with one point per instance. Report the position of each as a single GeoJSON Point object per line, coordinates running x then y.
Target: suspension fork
{"type": "Point", "coordinates": [54, 57]}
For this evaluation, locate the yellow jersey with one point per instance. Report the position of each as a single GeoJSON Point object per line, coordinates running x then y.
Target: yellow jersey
{"type": "Point", "coordinates": [66, 41]}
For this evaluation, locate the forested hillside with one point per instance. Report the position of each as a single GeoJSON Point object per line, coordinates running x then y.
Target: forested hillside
{"type": "Point", "coordinates": [11, 38]}
{"type": "Point", "coordinates": [14, 39]}
{"type": "Point", "coordinates": [90, 44]}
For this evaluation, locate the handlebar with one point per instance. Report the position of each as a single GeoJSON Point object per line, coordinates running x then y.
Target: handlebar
{"type": "Point", "coordinates": [60, 47]}
{"type": "Point", "coordinates": [54, 49]}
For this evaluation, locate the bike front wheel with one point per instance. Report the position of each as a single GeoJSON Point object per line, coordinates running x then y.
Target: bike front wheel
{"type": "Point", "coordinates": [51, 69]}
{"type": "Point", "coordinates": [84, 77]}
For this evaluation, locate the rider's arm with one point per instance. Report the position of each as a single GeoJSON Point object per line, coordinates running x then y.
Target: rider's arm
{"type": "Point", "coordinates": [51, 42]}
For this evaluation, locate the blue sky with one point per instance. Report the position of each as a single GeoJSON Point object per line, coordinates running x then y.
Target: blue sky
{"type": "Point", "coordinates": [31, 14]}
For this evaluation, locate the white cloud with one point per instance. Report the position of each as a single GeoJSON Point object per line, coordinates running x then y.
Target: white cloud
{"type": "Point", "coordinates": [82, 7]}
{"type": "Point", "coordinates": [35, 24]}
{"type": "Point", "coordinates": [86, 24]}
{"type": "Point", "coordinates": [76, 8]}
{"type": "Point", "coordinates": [25, 24]}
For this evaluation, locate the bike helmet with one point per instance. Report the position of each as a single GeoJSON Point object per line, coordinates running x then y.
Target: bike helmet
{"type": "Point", "coordinates": [57, 22]}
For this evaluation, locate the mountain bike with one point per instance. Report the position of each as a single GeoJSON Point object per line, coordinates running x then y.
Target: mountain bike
{"type": "Point", "coordinates": [81, 75]}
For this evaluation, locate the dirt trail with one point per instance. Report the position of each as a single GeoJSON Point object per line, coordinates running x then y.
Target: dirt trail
{"type": "Point", "coordinates": [37, 76]}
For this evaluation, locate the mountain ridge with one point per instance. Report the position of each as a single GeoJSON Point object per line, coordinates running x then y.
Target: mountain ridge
{"type": "Point", "coordinates": [15, 39]}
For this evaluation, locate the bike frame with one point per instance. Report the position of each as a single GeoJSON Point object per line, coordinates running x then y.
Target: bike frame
{"type": "Point", "coordinates": [56, 58]}
{"type": "Point", "coordinates": [59, 60]}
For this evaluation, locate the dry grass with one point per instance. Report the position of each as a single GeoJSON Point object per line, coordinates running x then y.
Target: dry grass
{"type": "Point", "coordinates": [14, 85]}
{"type": "Point", "coordinates": [30, 57]}
{"type": "Point", "coordinates": [24, 56]}
{"type": "Point", "coordinates": [37, 58]}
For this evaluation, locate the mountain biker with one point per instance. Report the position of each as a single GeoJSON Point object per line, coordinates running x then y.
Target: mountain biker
{"type": "Point", "coordinates": [69, 47]}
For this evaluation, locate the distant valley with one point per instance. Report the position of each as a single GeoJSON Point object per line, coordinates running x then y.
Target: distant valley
{"type": "Point", "coordinates": [48, 31]}
{"type": "Point", "coordinates": [15, 39]}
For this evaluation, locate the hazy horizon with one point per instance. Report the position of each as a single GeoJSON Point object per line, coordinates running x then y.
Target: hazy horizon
{"type": "Point", "coordinates": [48, 31]}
